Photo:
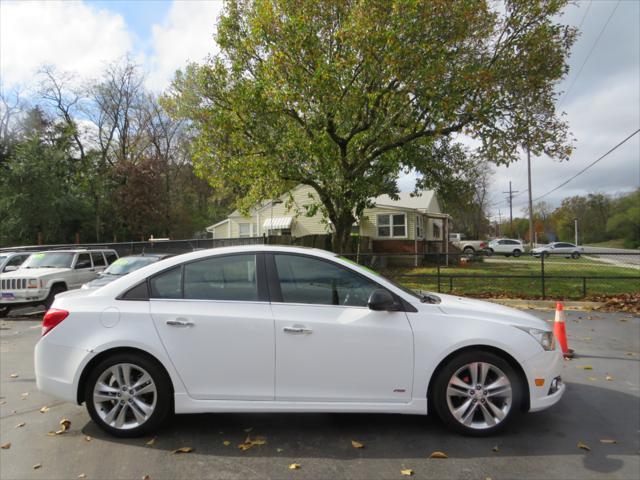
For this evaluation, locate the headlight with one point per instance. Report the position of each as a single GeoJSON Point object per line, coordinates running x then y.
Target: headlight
{"type": "Point", "coordinates": [32, 283]}
{"type": "Point", "coordinates": [545, 338]}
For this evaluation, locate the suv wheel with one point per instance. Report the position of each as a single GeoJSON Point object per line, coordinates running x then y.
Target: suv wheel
{"type": "Point", "coordinates": [56, 289]}
{"type": "Point", "coordinates": [469, 251]}
{"type": "Point", "coordinates": [128, 395]}
{"type": "Point", "coordinates": [4, 311]}
{"type": "Point", "coordinates": [517, 253]}
{"type": "Point", "coordinates": [477, 393]}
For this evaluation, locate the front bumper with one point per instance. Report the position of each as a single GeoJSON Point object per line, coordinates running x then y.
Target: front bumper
{"type": "Point", "coordinates": [547, 366]}
{"type": "Point", "coordinates": [11, 298]}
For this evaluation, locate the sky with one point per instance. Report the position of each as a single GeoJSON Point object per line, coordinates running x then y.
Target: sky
{"type": "Point", "coordinates": [602, 105]}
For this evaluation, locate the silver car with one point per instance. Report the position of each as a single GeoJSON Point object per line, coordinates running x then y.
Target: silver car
{"type": "Point", "coordinates": [566, 249]}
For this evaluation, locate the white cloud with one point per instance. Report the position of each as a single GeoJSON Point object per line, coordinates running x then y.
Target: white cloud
{"type": "Point", "coordinates": [185, 35]}
{"type": "Point", "coordinates": [70, 35]}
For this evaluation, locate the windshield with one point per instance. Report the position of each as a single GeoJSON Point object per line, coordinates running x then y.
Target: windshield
{"type": "Point", "coordinates": [49, 260]}
{"type": "Point", "coordinates": [122, 266]}
{"type": "Point", "coordinates": [419, 294]}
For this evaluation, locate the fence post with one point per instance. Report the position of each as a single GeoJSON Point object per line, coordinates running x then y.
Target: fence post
{"type": "Point", "coordinates": [542, 275]}
{"type": "Point", "coordinates": [584, 287]}
{"type": "Point", "coordinates": [438, 270]}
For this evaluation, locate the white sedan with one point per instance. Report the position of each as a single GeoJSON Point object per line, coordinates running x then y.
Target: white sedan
{"type": "Point", "coordinates": [284, 329]}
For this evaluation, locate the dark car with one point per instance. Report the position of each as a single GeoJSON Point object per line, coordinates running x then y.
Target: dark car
{"type": "Point", "coordinates": [125, 265]}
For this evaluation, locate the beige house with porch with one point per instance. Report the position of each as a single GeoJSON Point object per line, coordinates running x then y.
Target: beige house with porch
{"type": "Point", "coordinates": [409, 224]}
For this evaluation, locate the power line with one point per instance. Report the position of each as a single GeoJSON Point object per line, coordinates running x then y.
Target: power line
{"type": "Point", "coordinates": [604, 27]}
{"type": "Point", "coordinates": [585, 14]}
{"type": "Point", "coordinates": [588, 166]}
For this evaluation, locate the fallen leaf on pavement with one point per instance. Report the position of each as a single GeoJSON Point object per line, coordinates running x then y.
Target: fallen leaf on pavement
{"type": "Point", "coordinates": [2, 402]}
{"type": "Point", "coordinates": [356, 444]}
{"type": "Point", "coordinates": [247, 430]}
{"type": "Point", "coordinates": [20, 425]}
{"type": "Point", "coordinates": [87, 438]}
{"type": "Point", "coordinates": [226, 443]}
{"type": "Point", "coordinates": [82, 475]}
{"type": "Point", "coordinates": [294, 466]}
{"type": "Point", "coordinates": [6, 446]}
{"type": "Point", "coordinates": [24, 395]}
{"type": "Point", "coordinates": [495, 449]}
{"type": "Point", "coordinates": [279, 450]}
{"type": "Point", "coordinates": [585, 367]}
{"type": "Point", "coordinates": [608, 441]}
{"type": "Point", "coordinates": [37, 466]}
{"type": "Point", "coordinates": [151, 442]}
{"type": "Point", "coordinates": [592, 379]}
{"type": "Point", "coordinates": [407, 472]}
{"type": "Point", "coordinates": [65, 423]}
{"type": "Point", "coordinates": [608, 378]}
{"type": "Point", "coordinates": [583, 446]}
{"type": "Point", "coordinates": [146, 477]}
{"type": "Point", "coordinates": [183, 450]}
{"type": "Point", "coordinates": [438, 454]}
{"type": "Point", "coordinates": [14, 375]}
{"type": "Point", "coordinates": [250, 442]}
{"type": "Point", "coordinates": [44, 409]}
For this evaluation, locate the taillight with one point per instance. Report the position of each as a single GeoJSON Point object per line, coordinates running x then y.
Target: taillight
{"type": "Point", "coordinates": [52, 318]}
{"type": "Point", "coordinates": [483, 245]}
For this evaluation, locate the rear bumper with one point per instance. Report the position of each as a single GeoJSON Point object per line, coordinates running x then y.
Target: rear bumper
{"type": "Point", "coordinates": [57, 369]}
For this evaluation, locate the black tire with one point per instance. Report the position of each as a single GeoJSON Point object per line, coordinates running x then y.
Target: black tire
{"type": "Point", "coordinates": [163, 402]}
{"type": "Point", "coordinates": [490, 252]}
{"type": "Point", "coordinates": [469, 251]}
{"type": "Point", "coordinates": [440, 385]}
{"type": "Point", "coordinates": [56, 289]}
{"type": "Point", "coordinates": [517, 253]}
{"type": "Point", "coordinates": [4, 311]}
{"type": "Point", "coordinates": [575, 255]}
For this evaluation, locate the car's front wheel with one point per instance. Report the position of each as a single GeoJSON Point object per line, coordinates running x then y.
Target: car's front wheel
{"type": "Point", "coordinates": [477, 393]}
{"type": "Point", "coordinates": [517, 253]}
{"type": "Point", "coordinates": [575, 255]}
{"type": "Point", "coordinates": [128, 395]}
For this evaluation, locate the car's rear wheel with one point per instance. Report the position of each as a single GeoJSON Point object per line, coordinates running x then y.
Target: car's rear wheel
{"type": "Point", "coordinates": [575, 255]}
{"type": "Point", "coordinates": [490, 252]}
{"type": "Point", "coordinates": [469, 251]}
{"type": "Point", "coordinates": [4, 311]}
{"type": "Point", "coordinates": [128, 395]}
{"type": "Point", "coordinates": [477, 393]}
{"type": "Point", "coordinates": [517, 253]}
{"type": "Point", "coordinates": [56, 289]}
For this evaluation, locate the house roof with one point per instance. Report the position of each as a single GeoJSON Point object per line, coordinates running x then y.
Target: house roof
{"type": "Point", "coordinates": [406, 200]}
{"type": "Point", "coordinates": [211, 227]}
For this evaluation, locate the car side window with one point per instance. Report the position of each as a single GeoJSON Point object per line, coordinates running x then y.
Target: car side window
{"type": "Point", "coordinates": [111, 257]}
{"type": "Point", "coordinates": [16, 261]}
{"type": "Point", "coordinates": [230, 277]}
{"type": "Point", "coordinates": [84, 261]}
{"type": "Point", "coordinates": [98, 259]}
{"type": "Point", "coordinates": [167, 284]}
{"type": "Point", "coordinates": [319, 282]}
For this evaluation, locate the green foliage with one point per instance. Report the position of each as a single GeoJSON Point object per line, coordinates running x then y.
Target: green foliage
{"type": "Point", "coordinates": [625, 221]}
{"type": "Point", "coordinates": [342, 95]}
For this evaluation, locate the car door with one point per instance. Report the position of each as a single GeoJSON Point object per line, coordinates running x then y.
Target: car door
{"type": "Point", "coordinates": [500, 247]}
{"type": "Point", "coordinates": [330, 347]}
{"type": "Point", "coordinates": [99, 263]}
{"type": "Point", "coordinates": [82, 271]}
{"type": "Point", "coordinates": [215, 322]}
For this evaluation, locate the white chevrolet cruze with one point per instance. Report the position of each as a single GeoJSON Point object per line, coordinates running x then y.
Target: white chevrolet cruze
{"type": "Point", "coordinates": [284, 329]}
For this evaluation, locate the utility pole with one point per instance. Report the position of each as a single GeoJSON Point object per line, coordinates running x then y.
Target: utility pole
{"type": "Point", "coordinates": [510, 193]}
{"type": "Point", "coordinates": [575, 227]}
{"type": "Point", "coordinates": [499, 223]}
{"type": "Point", "coordinates": [530, 196]}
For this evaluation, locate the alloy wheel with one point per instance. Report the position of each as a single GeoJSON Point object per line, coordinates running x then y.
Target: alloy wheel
{"type": "Point", "coordinates": [479, 395]}
{"type": "Point", "coordinates": [125, 396]}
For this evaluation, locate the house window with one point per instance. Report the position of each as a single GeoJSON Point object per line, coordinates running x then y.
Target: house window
{"type": "Point", "coordinates": [245, 230]}
{"type": "Point", "coordinates": [437, 231]}
{"type": "Point", "coordinates": [392, 225]}
{"type": "Point", "coordinates": [419, 227]}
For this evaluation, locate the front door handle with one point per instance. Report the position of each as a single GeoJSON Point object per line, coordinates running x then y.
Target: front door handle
{"type": "Point", "coordinates": [179, 322]}
{"type": "Point", "coordinates": [297, 329]}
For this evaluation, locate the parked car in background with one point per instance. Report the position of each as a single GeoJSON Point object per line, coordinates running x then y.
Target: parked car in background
{"type": "Point", "coordinates": [569, 250]}
{"type": "Point", "coordinates": [265, 328]}
{"type": "Point", "coordinates": [123, 266]}
{"type": "Point", "coordinates": [45, 274]}
{"type": "Point", "coordinates": [506, 246]}
{"type": "Point", "coordinates": [10, 261]}
{"type": "Point", "coordinates": [469, 247]}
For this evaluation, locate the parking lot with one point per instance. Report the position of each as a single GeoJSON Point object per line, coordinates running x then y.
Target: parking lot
{"type": "Point", "coordinates": [600, 411]}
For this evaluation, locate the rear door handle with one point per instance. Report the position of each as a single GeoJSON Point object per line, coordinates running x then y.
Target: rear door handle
{"type": "Point", "coordinates": [179, 322]}
{"type": "Point", "coordinates": [297, 329]}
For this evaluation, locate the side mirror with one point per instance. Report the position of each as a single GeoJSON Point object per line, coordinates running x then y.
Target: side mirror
{"type": "Point", "coordinates": [10, 268]}
{"type": "Point", "coordinates": [381, 300]}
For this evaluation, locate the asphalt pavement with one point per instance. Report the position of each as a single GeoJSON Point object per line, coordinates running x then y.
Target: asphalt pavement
{"type": "Point", "coordinates": [602, 403]}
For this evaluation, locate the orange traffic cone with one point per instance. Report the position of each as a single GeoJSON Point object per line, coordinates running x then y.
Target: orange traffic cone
{"type": "Point", "coordinates": [560, 331]}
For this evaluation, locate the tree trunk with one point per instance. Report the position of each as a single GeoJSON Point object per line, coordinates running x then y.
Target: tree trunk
{"type": "Point", "coordinates": [341, 241]}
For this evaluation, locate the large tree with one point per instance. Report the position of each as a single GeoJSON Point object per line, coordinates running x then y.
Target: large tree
{"type": "Point", "coordinates": [341, 95]}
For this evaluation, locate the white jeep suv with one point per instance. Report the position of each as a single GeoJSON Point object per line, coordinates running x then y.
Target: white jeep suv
{"type": "Point", "coordinates": [45, 274]}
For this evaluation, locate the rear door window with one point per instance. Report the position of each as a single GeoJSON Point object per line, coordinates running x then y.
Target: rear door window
{"type": "Point", "coordinates": [98, 259]}
{"type": "Point", "coordinates": [84, 261]}
{"type": "Point", "coordinates": [231, 277]}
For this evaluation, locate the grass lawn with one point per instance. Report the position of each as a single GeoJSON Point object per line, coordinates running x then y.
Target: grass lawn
{"type": "Point", "coordinates": [513, 286]}
{"type": "Point", "coordinates": [617, 243]}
